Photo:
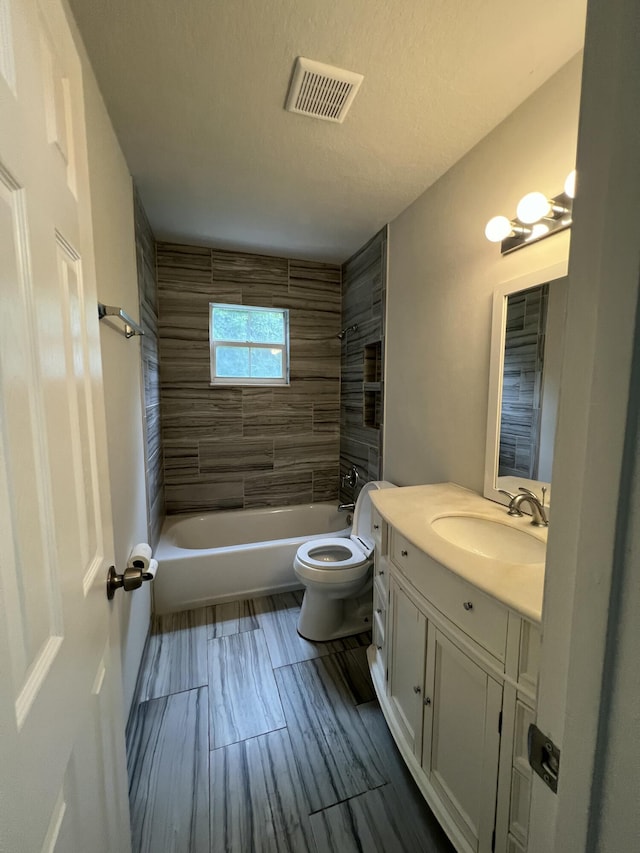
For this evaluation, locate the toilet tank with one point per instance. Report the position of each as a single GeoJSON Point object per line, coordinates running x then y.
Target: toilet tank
{"type": "Point", "coordinates": [362, 514]}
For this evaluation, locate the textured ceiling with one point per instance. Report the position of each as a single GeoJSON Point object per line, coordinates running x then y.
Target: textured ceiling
{"type": "Point", "coordinates": [196, 92]}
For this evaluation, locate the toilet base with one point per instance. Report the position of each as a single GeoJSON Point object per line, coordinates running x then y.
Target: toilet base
{"type": "Point", "coordinates": [322, 620]}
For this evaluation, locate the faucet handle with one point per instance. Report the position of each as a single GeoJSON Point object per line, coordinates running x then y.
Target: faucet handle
{"type": "Point", "coordinates": [513, 510]}
{"type": "Point", "coordinates": [528, 492]}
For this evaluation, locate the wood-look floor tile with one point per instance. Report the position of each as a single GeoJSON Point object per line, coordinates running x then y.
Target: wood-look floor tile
{"type": "Point", "coordinates": [232, 617]}
{"type": "Point", "coordinates": [168, 768]}
{"type": "Point", "coordinates": [278, 618]}
{"type": "Point", "coordinates": [334, 754]}
{"type": "Point", "coordinates": [176, 654]}
{"type": "Point", "coordinates": [243, 697]}
{"type": "Point", "coordinates": [352, 668]}
{"type": "Point", "coordinates": [416, 811]}
{"type": "Point", "coordinates": [373, 821]}
{"type": "Point", "coordinates": [258, 802]}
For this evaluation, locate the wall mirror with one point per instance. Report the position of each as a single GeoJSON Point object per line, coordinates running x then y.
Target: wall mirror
{"type": "Point", "coordinates": [527, 337]}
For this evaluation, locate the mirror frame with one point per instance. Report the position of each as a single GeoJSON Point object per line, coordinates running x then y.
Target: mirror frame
{"type": "Point", "coordinates": [496, 365]}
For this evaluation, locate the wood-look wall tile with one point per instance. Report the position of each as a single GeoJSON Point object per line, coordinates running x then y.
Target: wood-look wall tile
{"type": "Point", "coordinates": [248, 268]}
{"type": "Point", "coordinates": [278, 489]}
{"type": "Point", "coordinates": [176, 654]}
{"type": "Point", "coordinates": [236, 455]}
{"type": "Point", "coordinates": [179, 262]}
{"type": "Point", "coordinates": [169, 773]}
{"type": "Point", "coordinates": [309, 325]}
{"type": "Point", "coordinates": [256, 400]}
{"type": "Point", "coordinates": [315, 271]}
{"type": "Point", "coordinates": [326, 483]}
{"type": "Point", "coordinates": [335, 757]}
{"type": "Point", "coordinates": [308, 390]}
{"type": "Point", "coordinates": [304, 452]}
{"type": "Point", "coordinates": [181, 461]}
{"type": "Point", "coordinates": [326, 418]}
{"type": "Point", "coordinates": [258, 802]}
{"type": "Point", "coordinates": [243, 697]}
{"type": "Point", "coordinates": [204, 496]}
{"type": "Point", "coordinates": [190, 413]}
{"type": "Point", "coordinates": [232, 617]}
{"type": "Point", "coordinates": [282, 420]}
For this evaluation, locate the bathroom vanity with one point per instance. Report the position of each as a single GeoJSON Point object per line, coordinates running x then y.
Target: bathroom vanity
{"type": "Point", "coordinates": [457, 604]}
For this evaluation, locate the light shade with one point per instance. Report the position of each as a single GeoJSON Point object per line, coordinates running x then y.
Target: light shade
{"type": "Point", "coordinates": [497, 229]}
{"type": "Point", "coordinates": [532, 207]}
{"type": "Point", "coordinates": [570, 184]}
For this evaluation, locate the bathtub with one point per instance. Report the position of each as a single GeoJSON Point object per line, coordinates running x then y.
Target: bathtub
{"type": "Point", "coordinates": [219, 556]}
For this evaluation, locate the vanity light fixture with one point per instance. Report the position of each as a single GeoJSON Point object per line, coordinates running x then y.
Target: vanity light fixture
{"type": "Point", "coordinates": [537, 216]}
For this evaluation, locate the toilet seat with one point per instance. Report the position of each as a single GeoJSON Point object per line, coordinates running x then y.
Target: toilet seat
{"type": "Point", "coordinates": [314, 562]}
{"type": "Point", "coordinates": [330, 554]}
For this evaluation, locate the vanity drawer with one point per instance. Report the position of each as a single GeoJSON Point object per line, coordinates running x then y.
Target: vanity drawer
{"type": "Point", "coordinates": [381, 571]}
{"type": "Point", "coordinates": [379, 607]}
{"type": "Point", "coordinates": [379, 531]}
{"type": "Point", "coordinates": [477, 614]}
{"type": "Point", "coordinates": [529, 657]}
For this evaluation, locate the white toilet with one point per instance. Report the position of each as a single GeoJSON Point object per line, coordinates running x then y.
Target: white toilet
{"type": "Point", "coordinates": [337, 575]}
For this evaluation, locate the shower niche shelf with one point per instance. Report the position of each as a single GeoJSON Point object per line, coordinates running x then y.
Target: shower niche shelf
{"type": "Point", "coordinates": [372, 385]}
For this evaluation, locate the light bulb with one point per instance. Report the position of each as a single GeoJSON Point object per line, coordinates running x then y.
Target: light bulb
{"type": "Point", "coordinates": [570, 184]}
{"type": "Point", "coordinates": [497, 229]}
{"type": "Point", "coordinates": [533, 206]}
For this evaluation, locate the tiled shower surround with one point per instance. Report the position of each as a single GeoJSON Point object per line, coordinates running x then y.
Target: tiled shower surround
{"type": "Point", "coordinates": [241, 447]}
{"type": "Point", "coordinates": [148, 298]}
{"type": "Point", "coordinates": [362, 379]}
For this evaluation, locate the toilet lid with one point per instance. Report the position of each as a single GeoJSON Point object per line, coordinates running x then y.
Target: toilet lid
{"type": "Point", "coordinates": [335, 553]}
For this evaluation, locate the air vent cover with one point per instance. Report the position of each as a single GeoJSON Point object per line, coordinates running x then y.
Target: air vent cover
{"type": "Point", "coordinates": [322, 91]}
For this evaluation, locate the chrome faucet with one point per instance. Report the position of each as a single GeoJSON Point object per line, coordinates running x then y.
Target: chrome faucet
{"type": "Point", "coordinates": [538, 514]}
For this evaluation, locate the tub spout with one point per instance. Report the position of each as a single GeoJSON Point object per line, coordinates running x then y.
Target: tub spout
{"type": "Point", "coordinates": [346, 507]}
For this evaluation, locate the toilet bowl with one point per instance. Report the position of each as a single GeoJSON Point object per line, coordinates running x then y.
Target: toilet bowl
{"type": "Point", "coordinates": [337, 576]}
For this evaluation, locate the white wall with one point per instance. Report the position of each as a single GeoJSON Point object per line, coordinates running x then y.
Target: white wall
{"type": "Point", "coordinates": [112, 208]}
{"type": "Point", "coordinates": [442, 273]}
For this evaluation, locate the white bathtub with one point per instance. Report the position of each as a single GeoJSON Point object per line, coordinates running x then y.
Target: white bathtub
{"type": "Point", "coordinates": [218, 556]}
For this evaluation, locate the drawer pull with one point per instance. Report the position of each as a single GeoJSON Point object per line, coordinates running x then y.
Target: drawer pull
{"type": "Point", "coordinates": [381, 572]}
{"type": "Point", "coordinates": [376, 527]}
{"type": "Point", "coordinates": [427, 701]}
{"type": "Point", "coordinates": [378, 609]}
{"type": "Point", "coordinates": [468, 605]}
{"type": "Point", "coordinates": [417, 689]}
{"type": "Point", "coordinates": [404, 553]}
{"type": "Point", "coordinates": [379, 648]}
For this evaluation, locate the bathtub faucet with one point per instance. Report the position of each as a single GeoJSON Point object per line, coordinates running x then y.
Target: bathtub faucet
{"type": "Point", "coordinates": [346, 507]}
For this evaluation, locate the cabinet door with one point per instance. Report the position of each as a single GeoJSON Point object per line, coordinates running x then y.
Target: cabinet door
{"type": "Point", "coordinates": [406, 664]}
{"type": "Point", "coordinates": [461, 741]}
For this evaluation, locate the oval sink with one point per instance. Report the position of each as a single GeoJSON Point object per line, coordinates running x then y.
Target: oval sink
{"type": "Point", "coordinates": [490, 538]}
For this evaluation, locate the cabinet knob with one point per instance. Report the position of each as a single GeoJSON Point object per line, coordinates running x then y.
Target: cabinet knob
{"type": "Point", "coordinates": [468, 605]}
{"type": "Point", "coordinates": [427, 701]}
{"type": "Point", "coordinates": [404, 553]}
{"type": "Point", "coordinates": [378, 609]}
{"type": "Point", "coordinates": [376, 527]}
{"type": "Point", "coordinates": [417, 689]}
{"type": "Point", "coordinates": [381, 572]}
{"type": "Point", "coordinates": [379, 648]}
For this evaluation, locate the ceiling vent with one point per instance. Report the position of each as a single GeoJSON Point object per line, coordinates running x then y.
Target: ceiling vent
{"type": "Point", "coordinates": [322, 91]}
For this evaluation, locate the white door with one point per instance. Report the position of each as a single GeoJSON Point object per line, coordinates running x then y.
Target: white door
{"type": "Point", "coordinates": [62, 774]}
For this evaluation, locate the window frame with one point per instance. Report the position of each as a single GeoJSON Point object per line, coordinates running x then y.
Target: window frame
{"type": "Point", "coordinates": [248, 380]}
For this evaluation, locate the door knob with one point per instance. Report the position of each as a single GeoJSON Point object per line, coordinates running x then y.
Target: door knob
{"type": "Point", "coordinates": [129, 580]}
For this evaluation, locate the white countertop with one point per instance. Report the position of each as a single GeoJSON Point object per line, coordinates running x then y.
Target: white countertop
{"type": "Point", "coordinates": [411, 509]}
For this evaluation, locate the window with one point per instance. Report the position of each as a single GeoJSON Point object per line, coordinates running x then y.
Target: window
{"type": "Point", "coordinates": [249, 346]}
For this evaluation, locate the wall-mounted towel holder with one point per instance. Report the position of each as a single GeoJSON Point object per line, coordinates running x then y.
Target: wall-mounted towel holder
{"type": "Point", "coordinates": [131, 328]}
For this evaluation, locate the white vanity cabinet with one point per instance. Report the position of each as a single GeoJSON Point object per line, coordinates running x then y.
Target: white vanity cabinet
{"type": "Point", "coordinates": [455, 672]}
